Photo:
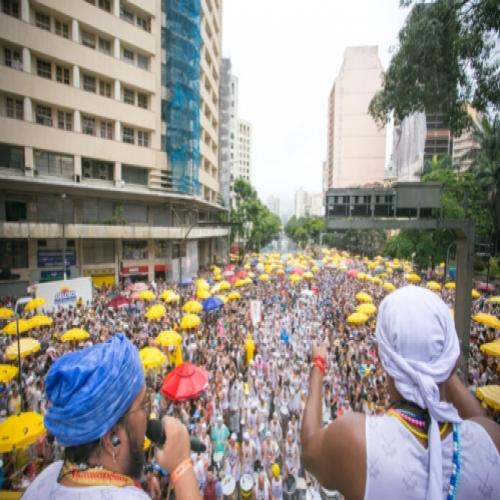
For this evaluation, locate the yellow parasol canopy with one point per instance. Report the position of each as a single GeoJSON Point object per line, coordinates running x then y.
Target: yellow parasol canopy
{"type": "Point", "coordinates": [151, 358]}
{"type": "Point", "coordinates": [475, 294]}
{"type": "Point", "coordinates": [156, 312]}
{"type": "Point", "coordinates": [202, 294]}
{"type": "Point", "coordinates": [494, 300]}
{"type": "Point", "coordinates": [190, 321]}
{"type": "Point", "coordinates": [434, 286]}
{"type": "Point", "coordinates": [27, 346]}
{"type": "Point", "coordinates": [20, 431]}
{"type": "Point", "coordinates": [146, 295]}
{"type": "Point", "coordinates": [413, 278]}
{"type": "Point", "coordinates": [218, 277]}
{"type": "Point", "coordinates": [388, 287]}
{"type": "Point", "coordinates": [7, 373]}
{"type": "Point", "coordinates": [192, 306]}
{"type": "Point", "coordinates": [451, 285]}
{"type": "Point", "coordinates": [294, 278]}
{"type": "Point", "coordinates": [223, 298]}
{"type": "Point", "coordinates": [308, 275]}
{"type": "Point", "coordinates": [366, 308]}
{"type": "Point", "coordinates": [234, 296]}
{"type": "Point", "coordinates": [490, 394]}
{"type": "Point", "coordinates": [11, 328]}
{"type": "Point", "coordinates": [357, 318]}
{"type": "Point", "coordinates": [166, 294]}
{"type": "Point", "coordinates": [240, 283]}
{"type": "Point", "coordinates": [34, 304]}
{"type": "Point", "coordinates": [40, 320]}
{"type": "Point", "coordinates": [201, 284]}
{"type": "Point", "coordinates": [264, 277]}
{"type": "Point", "coordinates": [363, 297]}
{"type": "Point", "coordinates": [490, 348]}
{"type": "Point", "coordinates": [75, 334]}
{"type": "Point", "coordinates": [487, 320]}
{"type": "Point", "coordinates": [168, 338]}
{"type": "Point", "coordinates": [6, 313]}
{"type": "Point", "coordinates": [224, 285]}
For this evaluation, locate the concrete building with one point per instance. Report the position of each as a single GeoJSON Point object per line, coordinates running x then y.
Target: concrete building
{"type": "Point", "coordinates": [243, 155]}
{"type": "Point", "coordinates": [89, 162]}
{"type": "Point", "coordinates": [273, 203]}
{"type": "Point", "coordinates": [464, 145]}
{"type": "Point", "coordinates": [438, 140]}
{"type": "Point", "coordinates": [355, 145]}
{"type": "Point", "coordinates": [308, 204]}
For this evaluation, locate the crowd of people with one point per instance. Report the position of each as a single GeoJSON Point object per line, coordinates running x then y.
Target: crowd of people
{"type": "Point", "coordinates": [249, 416]}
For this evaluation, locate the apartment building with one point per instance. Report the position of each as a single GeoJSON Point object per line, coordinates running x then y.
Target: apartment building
{"type": "Point", "coordinates": [88, 160]}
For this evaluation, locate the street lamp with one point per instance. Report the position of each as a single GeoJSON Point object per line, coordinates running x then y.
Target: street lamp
{"type": "Point", "coordinates": [63, 197]}
{"type": "Point", "coordinates": [20, 303]}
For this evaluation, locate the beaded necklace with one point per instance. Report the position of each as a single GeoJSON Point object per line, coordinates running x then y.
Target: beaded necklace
{"type": "Point", "coordinates": [411, 422]}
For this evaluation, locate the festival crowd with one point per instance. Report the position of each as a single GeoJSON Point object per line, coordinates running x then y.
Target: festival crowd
{"type": "Point", "coordinates": [249, 416]}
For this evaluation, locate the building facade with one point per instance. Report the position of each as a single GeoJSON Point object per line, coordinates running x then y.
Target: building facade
{"type": "Point", "coordinates": [273, 203]}
{"type": "Point", "coordinates": [243, 156]}
{"type": "Point", "coordinates": [355, 145]}
{"type": "Point", "coordinates": [90, 172]}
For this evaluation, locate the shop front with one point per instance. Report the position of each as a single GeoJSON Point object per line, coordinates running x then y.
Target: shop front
{"type": "Point", "coordinates": [133, 274]}
{"type": "Point", "coordinates": [101, 277]}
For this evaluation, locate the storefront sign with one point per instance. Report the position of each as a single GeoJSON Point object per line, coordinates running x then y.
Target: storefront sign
{"type": "Point", "coordinates": [135, 270]}
{"type": "Point", "coordinates": [54, 258]}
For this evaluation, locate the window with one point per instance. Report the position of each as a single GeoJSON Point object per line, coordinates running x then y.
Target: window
{"type": "Point", "coordinates": [143, 138]}
{"type": "Point", "coordinates": [13, 58]}
{"type": "Point", "coordinates": [178, 250]}
{"type": "Point", "coordinates": [105, 45]}
{"type": "Point", "coordinates": [135, 175]}
{"type": "Point", "coordinates": [161, 249]}
{"type": "Point", "coordinates": [135, 249]}
{"type": "Point", "coordinates": [42, 20]}
{"type": "Point", "coordinates": [98, 251]}
{"type": "Point", "coordinates": [143, 23]}
{"type": "Point", "coordinates": [62, 75]}
{"type": "Point", "coordinates": [61, 29]}
{"type": "Point", "coordinates": [128, 55]}
{"type": "Point", "coordinates": [128, 96]}
{"type": "Point", "coordinates": [142, 100]}
{"type": "Point", "coordinates": [88, 39]}
{"type": "Point", "coordinates": [11, 7]}
{"type": "Point", "coordinates": [44, 68]}
{"type": "Point", "coordinates": [105, 5]}
{"type": "Point", "coordinates": [43, 115]}
{"type": "Point", "coordinates": [15, 211]}
{"type": "Point", "coordinates": [104, 88]}
{"type": "Point", "coordinates": [97, 169]}
{"type": "Point", "coordinates": [128, 135]}
{"type": "Point", "coordinates": [125, 14]}
{"type": "Point", "coordinates": [14, 253]}
{"type": "Point", "coordinates": [88, 125]}
{"type": "Point", "coordinates": [106, 130]}
{"type": "Point", "coordinates": [11, 157]}
{"type": "Point", "coordinates": [54, 164]}
{"type": "Point", "coordinates": [89, 83]}
{"type": "Point", "coordinates": [65, 120]}
{"type": "Point", "coordinates": [14, 108]}
{"type": "Point", "coordinates": [142, 61]}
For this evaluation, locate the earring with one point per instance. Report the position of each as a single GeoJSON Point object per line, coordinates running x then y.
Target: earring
{"type": "Point", "coordinates": [114, 458]}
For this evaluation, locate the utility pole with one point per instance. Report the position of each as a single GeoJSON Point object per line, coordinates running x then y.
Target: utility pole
{"type": "Point", "coordinates": [63, 197]}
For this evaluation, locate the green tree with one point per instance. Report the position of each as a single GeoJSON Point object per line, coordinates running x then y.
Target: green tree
{"type": "Point", "coordinates": [444, 60]}
{"type": "Point", "coordinates": [305, 229]}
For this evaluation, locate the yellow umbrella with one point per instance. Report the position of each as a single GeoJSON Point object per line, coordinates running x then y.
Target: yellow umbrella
{"type": "Point", "coordinates": [490, 394]}
{"type": "Point", "coordinates": [34, 304]}
{"type": "Point", "coordinates": [190, 321]}
{"type": "Point", "coordinates": [366, 308]}
{"type": "Point", "coordinates": [294, 278]}
{"type": "Point", "coordinates": [308, 275]}
{"type": "Point", "coordinates": [156, 312]}
{"type": "Point", "coordinates": [376, 280]}
{"type": "Point", "coordinates": [223, 298]}
{"type": "Point", "coordinates": [201, 284]}
{"type": "Point", "coordinates": [280, 272]}
{"type": "Point", "coordinates": [147, 443]}
{"type": "Point", "coordinates": [168, 338]}
{"type": "Point", "coordinates": [315, 269]}
{"type": "Point", "coordinates": [494, 300]}
{"type": "Point", "coordinates": [7, 373]}
{"type": "Point", "coordinates": [151, 358]}
{"type": "Point", "coordinates": [11, 328]}
{"type": "Point", "coordinates": [224, 285]}
{"type": "Point", "coordinates": [40, 320]}
{"type": "Point", "coordinates": [413, 278]}
{"type": "Point", "coordinates": [363, 297]}
{"type": "Point", "coordinates": [166, 294]}
{"type": "Point", "coordinates": [171, 298]}
{"type": "Point", "coordinates": [6, 313]}
{"type": "Point", "coordinates": [215, 269]}
{"type": "Point", "coordinates": [218, 277]}
{"type": "Point", "coordinates": [20, 431]}
{"type": "Point", "coordinates": [234, 296]}
{"type": "Point", "coordinates": [240, 283]}
{"type": "Point", "coordinates": [75, 334]}
{"type": "Point", "coordinates": [192, 306]}
{"type": "Point", "coordinates": [434, 286]}
{"type": "Point", "coordinates": [27, 346]}
{"type": "Point", "coordinates": [389, 287]}
{"type": "Point", "coordinates": [146, 295]}
{"type": "Point", "coordinates": [451, 285]}
{"type": "Point", "coordinates": [357, 319]}
{"type": "Point", "coordinates": [264, 277]}
{"type": "Point", "coordinates": [202, 294]}
{"type": "Point", "coordinates": [475, 294]}
{"type": "Point", "coordinates": [490, 348]}
{"type": "Point", "coordinates": [487, 320]}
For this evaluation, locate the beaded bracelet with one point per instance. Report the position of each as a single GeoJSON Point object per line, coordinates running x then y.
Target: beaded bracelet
{"type": "Point", "coordinates": [181, 469]}
{"type": "Point", "coordinates": [320, 363]}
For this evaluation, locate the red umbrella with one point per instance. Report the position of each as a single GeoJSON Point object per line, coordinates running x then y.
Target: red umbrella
{"type": "Point", "coordinates": [241, 274]}
{"type": "Point", "coordinates": [298, 270]}
{"type": "Point", "coordinates": [119, 301]}
{"type": "Point", "coordinates": [352, 273]}
{"type": "Point", "coordinates": [187, 381]}
{"type": "Point", "coordinates": [233, 280]}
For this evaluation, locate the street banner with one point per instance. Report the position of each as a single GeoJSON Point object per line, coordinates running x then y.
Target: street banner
{"type": "Point", "coordinates": [64, 293]}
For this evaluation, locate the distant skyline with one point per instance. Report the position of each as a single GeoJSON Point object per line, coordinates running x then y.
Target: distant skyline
{"type": "Point", "coordinates": [286, 54]}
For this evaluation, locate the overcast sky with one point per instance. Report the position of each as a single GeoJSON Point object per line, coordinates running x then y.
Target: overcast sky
{"type": "Point", "coordinates": [286, 54]}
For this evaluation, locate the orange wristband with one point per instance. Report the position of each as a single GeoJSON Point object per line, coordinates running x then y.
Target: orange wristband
{"type": "Point", "coordinates": [184, 466]}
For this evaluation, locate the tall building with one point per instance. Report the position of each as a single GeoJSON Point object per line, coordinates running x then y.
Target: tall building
{"type": "Point", "coordinates": [467, 142]}
{"type": "Point", "coordinates": [273, 203]}
{"type": "Point", "coordinates": [243, 156]}
{"type": "Point", "coordinates": [108, 139]}
{"type": "Point", "coordinates": [438, 140]}
{"type": "Point", "coordinates": [308, 204]}
{"type": "Point", "coordinates": [355, 146]}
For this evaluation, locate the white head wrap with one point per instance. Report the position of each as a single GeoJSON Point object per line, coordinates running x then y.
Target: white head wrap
{"type": "Point", "coordinates": [418, 347]}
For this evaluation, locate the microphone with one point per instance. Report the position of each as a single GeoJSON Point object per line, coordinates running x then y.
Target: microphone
{"type": "Point", "coordinates": [156, 434]}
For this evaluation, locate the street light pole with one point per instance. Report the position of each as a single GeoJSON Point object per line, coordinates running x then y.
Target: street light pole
{"type": "Point", "coordinates": [63, 196]}
{"type": "Point", "coordinates": [19, 362]}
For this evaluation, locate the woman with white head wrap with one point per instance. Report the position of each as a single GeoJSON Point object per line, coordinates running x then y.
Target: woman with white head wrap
{"type": "Point", "coordinates": [402, 454]}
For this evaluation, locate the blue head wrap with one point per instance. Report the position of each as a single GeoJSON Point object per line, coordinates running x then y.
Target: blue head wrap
{"type": "Point", "coordinates": [89, 390]}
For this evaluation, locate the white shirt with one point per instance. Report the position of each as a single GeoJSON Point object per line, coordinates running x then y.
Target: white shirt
{"type": "Point", "coordinates": [46, 487]}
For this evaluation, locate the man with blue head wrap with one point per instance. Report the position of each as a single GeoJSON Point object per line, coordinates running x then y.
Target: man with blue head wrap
{"type": "Point", "coordinates": [98, 410]}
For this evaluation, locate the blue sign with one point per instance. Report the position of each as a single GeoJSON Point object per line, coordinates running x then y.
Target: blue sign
{"type": "Point", "coordinates": [54, 258]}
{"type": "Point", "coordinates": [51, 276]}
